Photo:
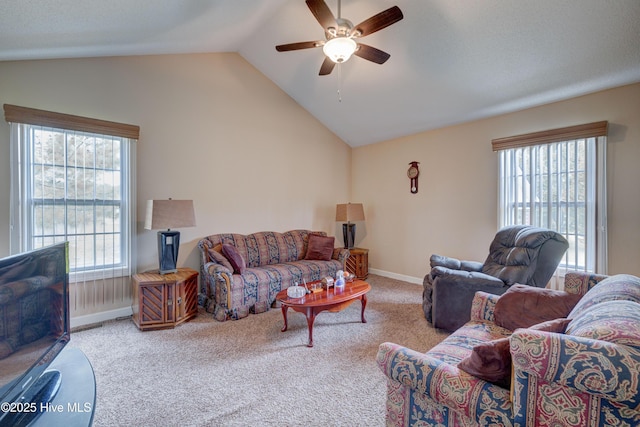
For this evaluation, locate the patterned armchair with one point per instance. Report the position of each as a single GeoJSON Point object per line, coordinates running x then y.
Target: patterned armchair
{"type": "Point", "coordinates": [588, 376]}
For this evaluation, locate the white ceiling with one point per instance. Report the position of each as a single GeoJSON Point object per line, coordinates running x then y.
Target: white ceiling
{"type": "Point", "coordinates": [451, 60]}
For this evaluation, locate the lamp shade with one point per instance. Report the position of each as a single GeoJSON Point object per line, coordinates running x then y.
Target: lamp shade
{"type": "Point", "coordinates": [350, 212]}
{"type": "Point", "coordinates": [167, 214]}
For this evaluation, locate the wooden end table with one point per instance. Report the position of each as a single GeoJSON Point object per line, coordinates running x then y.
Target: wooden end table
{"type": "Point", "coordinates": [163, 301]}
{"type": "Point", "coordinates": [358, 262]}
{"type": "Point", "coordinates": [326, 300]}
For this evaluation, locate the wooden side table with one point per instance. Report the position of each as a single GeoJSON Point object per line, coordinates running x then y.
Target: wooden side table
{"type": "Point", "coordinates": [162, 301]}
{"type": "Point", "coordinates": [358, 262]}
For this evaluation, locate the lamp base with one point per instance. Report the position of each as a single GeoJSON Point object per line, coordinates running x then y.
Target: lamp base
{"type": "Point", "coordinates": [168, 245]}
{"type": "Point", "coordinates": [349, 235]}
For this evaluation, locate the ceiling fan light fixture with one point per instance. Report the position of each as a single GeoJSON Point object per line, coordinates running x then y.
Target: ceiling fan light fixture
{"type": "Point", "coordinates": [339, 49]}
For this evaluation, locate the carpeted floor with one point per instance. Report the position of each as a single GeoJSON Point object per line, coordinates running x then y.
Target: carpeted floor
{"type": "Point", "coordinates": [248, 373]}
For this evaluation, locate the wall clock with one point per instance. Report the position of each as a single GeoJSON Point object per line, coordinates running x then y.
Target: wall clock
{"type": "Point", "coordinates": [413, 172]}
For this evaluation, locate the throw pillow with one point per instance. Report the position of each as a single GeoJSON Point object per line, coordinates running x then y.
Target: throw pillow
{"type": "Point", "coordinates": [216, 255]}
{"type": "Point", "coordinates": [236, 260]}
{"type": "Point", "coordinates": [320, 247]}
{"type": "Point", "coordinates": [523, 306]}
{"type": "Point", "coordinates": [491, 361]}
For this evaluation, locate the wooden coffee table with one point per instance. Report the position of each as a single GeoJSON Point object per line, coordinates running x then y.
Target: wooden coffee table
{"type": "Point", "coordinates": [327, 300]}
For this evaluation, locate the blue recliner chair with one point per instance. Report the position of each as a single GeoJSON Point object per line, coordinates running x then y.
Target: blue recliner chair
{"type": "Point", "coordinates": [518, 254]}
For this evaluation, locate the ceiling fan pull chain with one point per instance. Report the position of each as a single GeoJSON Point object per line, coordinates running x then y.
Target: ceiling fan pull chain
{"type": "Point", "coordinates": [339, 75]}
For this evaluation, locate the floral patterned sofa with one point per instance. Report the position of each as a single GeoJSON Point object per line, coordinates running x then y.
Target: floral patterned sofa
{"type": "Point", "coordinates": [586, 376]}
{"type": "Point", "coordinates": [259, 266]}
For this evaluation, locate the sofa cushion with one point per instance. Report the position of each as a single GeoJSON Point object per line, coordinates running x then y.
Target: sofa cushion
{"type": "Point", "coordinates": [617, 287]}
{"type": "Point", "coordinates": [523, 306]}
{"type": "Point", "coordinates": [320, 247]}
{"type": "Point", "coordinates": [236, 260]}
{"type": "Point", "coordinates": [491, 361]}
{"type": "Point", "coordinates": [613, 321]}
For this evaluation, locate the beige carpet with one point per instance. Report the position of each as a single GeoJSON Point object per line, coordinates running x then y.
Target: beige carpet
{"type": "Point", "coordinates": [248, 373]}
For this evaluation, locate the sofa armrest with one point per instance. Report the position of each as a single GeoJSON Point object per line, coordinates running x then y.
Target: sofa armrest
{"type": "Point", "coordinates": [483, 307]}
{"type": "Point", "coordinates": [341, 254]}
{"type": "Point", "coordinates": [578, 282]}
{"type": "Point", "coordinates": [600, 368]}
{"type": "Point", "coordinates": [213, 267]}
{"type": "Point", "coordinates": [442, 382]}
{"type": "Point", "coordinates": [213, 275]}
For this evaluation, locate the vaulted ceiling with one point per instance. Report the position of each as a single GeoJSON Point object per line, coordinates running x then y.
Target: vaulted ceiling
{"type": "Point", "coordinates": [451, 60]}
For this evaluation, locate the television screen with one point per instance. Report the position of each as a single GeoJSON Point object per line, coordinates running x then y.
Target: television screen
{"type": "Point", "coordinates": [34, 318]}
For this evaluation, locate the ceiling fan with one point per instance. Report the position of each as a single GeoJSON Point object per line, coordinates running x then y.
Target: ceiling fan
{"type": "Point", "coordinates": [341, 36]}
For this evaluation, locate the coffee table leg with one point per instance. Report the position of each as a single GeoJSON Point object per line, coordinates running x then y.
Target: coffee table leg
{"type": "Point", "coordinates": [284, 308]}
{"type": "Point", "coordinates": [364, 304]}
{"type": "Point", "coordinates": [311, 317]}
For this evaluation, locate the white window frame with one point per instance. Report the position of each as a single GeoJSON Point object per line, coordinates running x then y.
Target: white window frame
{"type": "Point", "coordinates": [519, 199]}
{"type": "Point", "coordinates": [22, 205]}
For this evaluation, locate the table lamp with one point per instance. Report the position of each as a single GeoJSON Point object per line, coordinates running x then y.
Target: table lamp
{"type": "Point", "coordinates": [164, 215]}
{"type": "Point", "coordinates": [349, 212]}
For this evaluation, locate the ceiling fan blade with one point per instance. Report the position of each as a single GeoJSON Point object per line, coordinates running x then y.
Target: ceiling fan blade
{"type": "Point", "coordinates": [327, 67]}
{"type": "Point", "coordinates": [371, 54]}
{"type": "Point", "coordinates": [379, 21]}
{"type": "Point", "coordinates": [298, 46]}
{"type": "Point", "coordinates": [322, 13]}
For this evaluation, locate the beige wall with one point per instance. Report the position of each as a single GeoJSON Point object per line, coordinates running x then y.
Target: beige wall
{"type": "Point", "coordinates": [455, 210]}
{"type": "Point", "coordinates": [212, 129]}
{"type": "Point", "coordinates": [249, 157]}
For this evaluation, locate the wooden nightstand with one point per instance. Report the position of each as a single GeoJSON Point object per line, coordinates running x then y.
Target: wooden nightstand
{"type": "Point", "coordinates": [162, 301]}
{"type": "Point", "coordinates": [358, 262]}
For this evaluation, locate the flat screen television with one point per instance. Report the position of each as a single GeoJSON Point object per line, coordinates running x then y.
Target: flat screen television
{"type": "Point", "coordinates": [34, 328]}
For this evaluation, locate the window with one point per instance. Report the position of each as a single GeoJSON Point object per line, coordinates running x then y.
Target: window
{"type": "Point", "coordinates": [72, 180]}
{"type": "Point", "coordinates": [556, 179]}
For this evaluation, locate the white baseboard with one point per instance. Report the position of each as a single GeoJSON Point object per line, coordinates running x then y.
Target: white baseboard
{"type": "Point", "coordinates": [404, 278]}
{"type": "Point", "coordinates": [103, 316]}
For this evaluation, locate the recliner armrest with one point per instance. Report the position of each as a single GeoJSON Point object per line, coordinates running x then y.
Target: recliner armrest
{"type": "Point", "coordinates": [454, 263]}
{"type": "Point", "coordinates": [453, 294]}
{"type": "Point", "coordinates": [471, 266]}
{"type": "Point", "coordinates": [444, 261]}
{"type": "Point", "coordinates": [474, 279]}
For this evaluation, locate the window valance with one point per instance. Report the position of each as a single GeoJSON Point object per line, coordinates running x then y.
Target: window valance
{"type": "Point", "coordinates": [32, 116]}
{"type": "Point", "coordinates": [569, 133]}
